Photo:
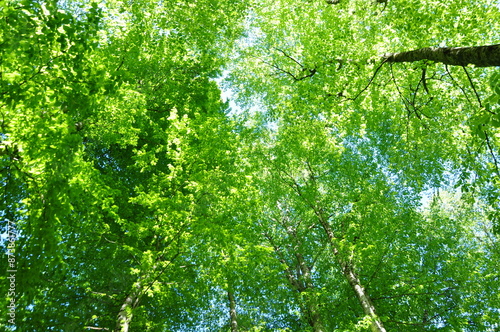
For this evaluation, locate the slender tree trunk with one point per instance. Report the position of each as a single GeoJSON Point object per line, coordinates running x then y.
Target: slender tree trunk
{"type": "Point", "coordinates": [479, 56]}
{"type": "Point", "coordinates": [353, 280]}
{"type": "Point", "coordinates": [300, 279]}
{"type": "Point", "coordinates": [232, 311]}
{"type": "Point", "coordinates": [311, 303]}
{"type": "Point", "coordinates": [127, 309]}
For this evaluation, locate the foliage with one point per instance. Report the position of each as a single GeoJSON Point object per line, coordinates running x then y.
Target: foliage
{"type": "Point", "coordinates": [337, 193]}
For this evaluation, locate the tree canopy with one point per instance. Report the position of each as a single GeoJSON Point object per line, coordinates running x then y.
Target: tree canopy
{"type": "Point", "coordinates": [250, 165]}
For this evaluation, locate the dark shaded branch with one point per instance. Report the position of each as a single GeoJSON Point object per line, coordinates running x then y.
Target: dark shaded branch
{"type": "Point", "coordinates": [119, 66]}
{"type": "Point", "coordinates": [475, 91]}
{"type": "Point", "coordinates": [424, 82]}
{"type": "Point", "coordinates": [281, 70]}
{"type": "Point", "coordinates": [405, 102]}
{"type": "Point", "coordinates": [473, 87]}
{"type": "Point", "coordinates": [307, 72]}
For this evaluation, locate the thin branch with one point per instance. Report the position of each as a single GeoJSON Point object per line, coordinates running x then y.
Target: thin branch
{"type": "Point", "coordinates": [456, 83]}
{"type": "Point", "coordinates": [378, 267]}
{"type": "Point", "coordinates": [405, 101]}
{"type": "Point", "coordinates": [119, 66]}
{"type": "Point", "coordinates": [318, 255]}
{"type": "Point", "coordinates": [290, 57]}
{"type": "Point", "coordinates": [424, 80]}
{"type": "Point", "coordinates": [157, 277]}
{"type": "Point", "coordinates": [488, 143]}
{"type": "Point", "coordinates": [474, 88]}
{"type": "Point", "coordinates": [281, 257]}
{"type": "Point", "coordinates": [414, 93]}
{"type": "Point", "coordinates": [371, 80]}
{"type": "Point", "coordinates": [281, 70]}
{"type": "Point", "coordinates": [96, 328]}
{"type": "Point", "coordinates": [105, 238]}
{"type": "Point", "coordinates": [311, 72]}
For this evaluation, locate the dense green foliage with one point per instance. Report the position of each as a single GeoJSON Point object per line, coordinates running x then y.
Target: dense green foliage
{"type": "Point", "coordinates": [334, 192]}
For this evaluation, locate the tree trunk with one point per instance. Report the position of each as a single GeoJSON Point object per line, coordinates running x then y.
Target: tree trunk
{"type": "Point", "coordinates": [299, 276]}
{"type": "Point", "coordinates": [479, 56]}
{"type": "Point", "coordinates": [311, 303]}
{"type": "Point", "coordinates": [232, 311]}
{"type": "Point", "coordinates": [347, 268]}
{"type": "Point", "coordinates": [126, 310]}
{"type": "Point", "coordinates": [353, 280]}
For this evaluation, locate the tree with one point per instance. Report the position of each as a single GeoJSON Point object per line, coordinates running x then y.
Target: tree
{"type": "Point", "coordinates": [109, 173]}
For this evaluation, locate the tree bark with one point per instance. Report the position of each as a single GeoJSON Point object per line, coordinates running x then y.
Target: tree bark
{"type": "Point", "coordinates": [232, 311]}
{"type": "Point", "coordinates": [479, 56]}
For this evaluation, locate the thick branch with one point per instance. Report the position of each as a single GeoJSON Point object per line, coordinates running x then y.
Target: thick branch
{"type": "Point", "coordinates": [479, 56]}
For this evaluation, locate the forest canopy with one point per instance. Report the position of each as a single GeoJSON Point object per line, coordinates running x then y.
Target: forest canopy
{"type": "Point", "coordinates": [254, 166]}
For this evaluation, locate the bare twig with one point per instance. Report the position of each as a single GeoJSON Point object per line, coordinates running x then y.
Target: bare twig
{"type": "Point", "coordinates": [405, 101]}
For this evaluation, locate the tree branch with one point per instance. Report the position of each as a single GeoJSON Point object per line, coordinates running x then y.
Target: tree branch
{"type": "Point", "coordinates": [479, 56]}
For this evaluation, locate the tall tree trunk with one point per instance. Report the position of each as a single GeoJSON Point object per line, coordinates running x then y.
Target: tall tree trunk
{"type": "Point", "coordinates": [352, 278]}
{"type": "Point", "coordinates": [479, 56]}
{"type": "Point", "coordinates": [127, 309]}
{"type": "Point", "coordinates": [232, 311]}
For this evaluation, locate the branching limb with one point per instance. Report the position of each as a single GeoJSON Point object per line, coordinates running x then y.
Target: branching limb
{"type": "Point", "coordinates": [306, 72]}
{"type": "Point", "coordinates": [280, 69]}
